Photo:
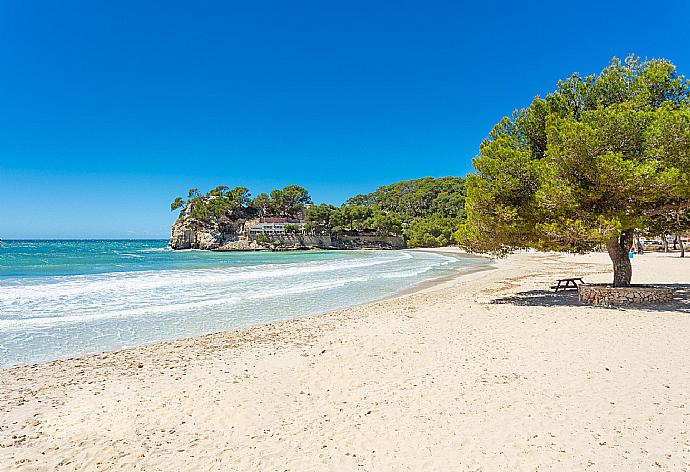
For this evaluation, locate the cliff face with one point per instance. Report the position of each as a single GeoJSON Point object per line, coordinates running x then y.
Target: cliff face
{"type": "Point", "coordinates": [336, 241]}
{"type": "Point", "coordinates": [188, 233]}
{"type": "Point", "coordinates": [368, 241]}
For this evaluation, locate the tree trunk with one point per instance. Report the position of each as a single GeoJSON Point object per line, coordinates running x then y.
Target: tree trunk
{"type": "Point", "coordinates": [618, 248]}
{"type": "Point", "coordinates": [682, 246]}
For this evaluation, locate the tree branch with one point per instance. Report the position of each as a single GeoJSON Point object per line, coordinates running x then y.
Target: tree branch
{"type": "Point", "coordinates": [665, 208]}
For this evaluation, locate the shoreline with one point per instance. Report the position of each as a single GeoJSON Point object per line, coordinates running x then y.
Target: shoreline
{"type": "Point", "coordinates": [47, 328]}
{"type": "Point", "coordinates": [458, 276]}
{"type": "Point", "coordinates": [421, 286]}
{"type": "Point", "coordinates": [489, 370]}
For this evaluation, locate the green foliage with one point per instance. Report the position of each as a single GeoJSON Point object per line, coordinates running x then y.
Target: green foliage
{"type": "Point", "coordinates": [218, 202]}
{"type": "Point", "coordinates": [435, 231]}
{"type": "Point", "coordinates": [239, 196]}
{"type": "Point", "coordinates": [418, 198]}
{"type": "Point", "coordinates": [350, 218]}
{"type": "Point", "coordinates": [385, 223]}
{"type": "Point", "coordinates": [318, 218]}
{"type": "Point", "coordinates": [198, 210]}
{"type": "Point", "coordinates": [236, 202]}
{"type": "Point", "coordinates": [599, 156]}
{"type": "Point", "coordinates": [670, 222]}
{"type": "Point", "coordinates": [426, 210]}
{"type": "Point", "coordinates": [177, 203]}
{"type": "Point", "coordinates": [323, 219]}
{"type": "Point", "coordinates": [327, 218]}
{"type": "Point", "coordinates": [219, 191]}
{"type": "Point", "coordinates": [261, 239]}
{"type": "Point", "coordinates": [289, 201]}
{"type": "Point", "coordinates": [291, 228]}
{"type": "Point", "coordinates": [261, 204]}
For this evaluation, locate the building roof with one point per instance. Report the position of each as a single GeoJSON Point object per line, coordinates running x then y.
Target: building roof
{"type": "Point", "coordinates": [279, 220]}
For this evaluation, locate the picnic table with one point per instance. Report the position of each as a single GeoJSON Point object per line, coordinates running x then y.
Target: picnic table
{"type": "Point", "coordinates": [565, 284]}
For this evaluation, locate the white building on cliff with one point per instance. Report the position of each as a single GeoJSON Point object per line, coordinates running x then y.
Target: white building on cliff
{"type": "Point", "coordinates": [274, 226]}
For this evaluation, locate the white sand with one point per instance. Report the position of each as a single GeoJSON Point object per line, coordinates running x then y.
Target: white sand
{"type": "Point", "coordinates": [438, 380]}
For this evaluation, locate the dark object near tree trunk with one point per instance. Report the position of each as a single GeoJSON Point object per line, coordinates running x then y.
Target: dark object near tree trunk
{"type": "Point", "coordinates": [682, 246]}
{"type": "Point", "coordinates": [638, 244]}
{"type": "Point", "coordinates": [618, 248]}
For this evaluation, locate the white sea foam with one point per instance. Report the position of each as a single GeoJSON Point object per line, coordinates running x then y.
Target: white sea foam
{"type": "Point", "coordinates": [48, 317]}
{"type": "Point", "coordinates": [152, 310]}
{"type": "Point", "coordinates": [406, 273]}
{"type": "Point", "coordinates": [148, 280]}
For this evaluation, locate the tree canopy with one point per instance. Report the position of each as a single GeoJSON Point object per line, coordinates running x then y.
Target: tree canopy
{"type": "Point", "coordinates": [596, 159]}
{"type": "Point", "coordinates": [289, 201]}
{"type": "Point", "coordinates": [237, 202]}
{"type": "Point", "coordinates": [419, 198]}
{"type": "Point", "coordinates": [426, 211]}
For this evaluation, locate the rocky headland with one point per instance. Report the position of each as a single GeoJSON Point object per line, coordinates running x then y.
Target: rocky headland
{"type": "Point", "coordinates": [233, 233]}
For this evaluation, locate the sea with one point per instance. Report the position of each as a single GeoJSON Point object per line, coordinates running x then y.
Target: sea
{"type": "Point", "coordinates": [61, 299]}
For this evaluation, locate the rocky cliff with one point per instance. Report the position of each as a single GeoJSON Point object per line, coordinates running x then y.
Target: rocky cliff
{"type": "Point", "coordinates": [211, 234]}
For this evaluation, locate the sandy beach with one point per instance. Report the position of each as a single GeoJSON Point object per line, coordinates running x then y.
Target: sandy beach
{"type": "Point", "coordinates": [487, 371]}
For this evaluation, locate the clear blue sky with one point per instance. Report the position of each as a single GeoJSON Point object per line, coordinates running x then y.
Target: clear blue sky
{"type": "Point", "coordinates": [108, 110]}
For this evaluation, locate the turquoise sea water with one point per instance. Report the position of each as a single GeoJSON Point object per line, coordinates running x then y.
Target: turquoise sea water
{"type": "Point", "coordinates": [65, 298]}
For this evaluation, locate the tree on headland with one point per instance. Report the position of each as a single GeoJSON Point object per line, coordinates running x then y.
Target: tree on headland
{"type": "Point", "coordinates": [237, 202]}
{"type": "Point", "coordinates": [289, 201]}
{"type": "Point", "coordinates": [239, 196]}
{"type": "Point", "coordinates": [218, 202]}
{"type": "Point", "coordinates": [219, 191]}
{"type": "Point", "coordinates": [322, 219]}
{"type": "Point", "coordinates": [261, 204]}
{"type": "Point", "coordinates": [318, 218]}
{"type": "Point", "coordinates": [292, 228]}
{"type": "Point", "coordinates": [598, 158]}
{"type": "Point", "coordinates": [177, 203]}
{"type": "Point", "coordinates": [350, 218]}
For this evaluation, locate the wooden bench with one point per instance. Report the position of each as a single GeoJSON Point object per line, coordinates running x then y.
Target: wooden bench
{"type": "Point", "coordinates": [565, 284]}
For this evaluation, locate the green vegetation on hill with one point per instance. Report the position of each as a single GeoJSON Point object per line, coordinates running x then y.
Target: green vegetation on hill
{"type": "Point", "coordinates": [426, 211]}
{"type": "Point", "coordinates": [419, 198]}
{"type": "Point", "coordinates": [329, 219]}
{"type": "Point", "coordinates": [286, 203]}
{"type": "Point", "coordinates": [597, 159]}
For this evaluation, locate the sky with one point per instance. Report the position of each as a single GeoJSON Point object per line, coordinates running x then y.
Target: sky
{"type": "Point", "coordinates": [109, 110]}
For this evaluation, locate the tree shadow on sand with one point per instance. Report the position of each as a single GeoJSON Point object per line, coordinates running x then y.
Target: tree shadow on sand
{"type": "Point", "coordinates": [681, 301]}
